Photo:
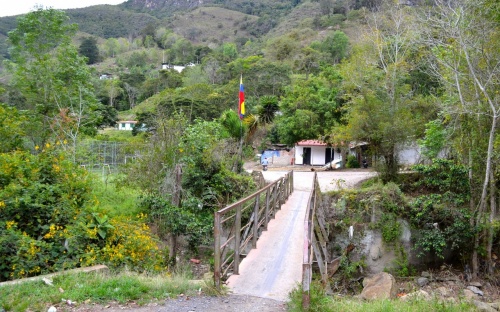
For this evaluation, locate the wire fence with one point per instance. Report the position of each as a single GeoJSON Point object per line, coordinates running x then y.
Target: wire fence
{"type": "Point", "coordinates": [107, 156]}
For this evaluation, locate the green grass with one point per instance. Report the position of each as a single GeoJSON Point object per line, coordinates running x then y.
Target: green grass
{"type": "Point", "coordinates": [96, 288]}
{"type": "Point", "coordinates": [115, 200]}
{"type": "Point", "coordinates": [322, 303]}
{"type": "Point", "coordinates": [115, 135]}
{"type": "Point", "coordinates": [102, 288]}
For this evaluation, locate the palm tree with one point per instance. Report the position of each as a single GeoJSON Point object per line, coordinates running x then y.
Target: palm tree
{"type": "Point", "coordinates": [267, 109]}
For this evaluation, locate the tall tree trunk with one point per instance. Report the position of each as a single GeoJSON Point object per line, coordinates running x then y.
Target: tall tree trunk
{"type": "Point", "coordinates": [483, 201]}
{"type": "Point", "coordinates": [176, 201]}
{"type": "Point", "coordinates": [490, 227]}
{"type": "Point", "coordinates": [472, 207]}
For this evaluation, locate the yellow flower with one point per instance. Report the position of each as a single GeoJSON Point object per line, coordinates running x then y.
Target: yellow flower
{"type": "Point", "coordinates": [47, 145]}
{"type": "Point", "coordinates": [2, 204]}
{"type": "Point", "coordinates": [37, 147]}
{"type": "Point", "coordinates": [10, 224]}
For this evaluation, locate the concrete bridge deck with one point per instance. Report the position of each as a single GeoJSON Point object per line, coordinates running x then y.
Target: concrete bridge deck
{"type": "Point", "coordinates": [274, 268]}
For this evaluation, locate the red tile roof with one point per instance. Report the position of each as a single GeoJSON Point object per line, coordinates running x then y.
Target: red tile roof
{"type": "Point", "coordinates": [311, 143]}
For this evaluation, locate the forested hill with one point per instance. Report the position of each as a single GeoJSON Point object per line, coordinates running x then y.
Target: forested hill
{"type": "Point", "coordinates": [109, 21]}
{"type": "Point", "coordinates": [168, 7]}
{"type": "Point", "coordinates": [131, 19]}
{"type": "Point", "coordinates": [237, 20]}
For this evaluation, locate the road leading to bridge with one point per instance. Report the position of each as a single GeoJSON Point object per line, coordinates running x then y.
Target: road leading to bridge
{"type": "Point", "coordinates": [274, 268]}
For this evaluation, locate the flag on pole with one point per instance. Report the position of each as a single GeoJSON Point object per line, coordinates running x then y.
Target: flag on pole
{"type": "Point", "coordinates": [241, 106]}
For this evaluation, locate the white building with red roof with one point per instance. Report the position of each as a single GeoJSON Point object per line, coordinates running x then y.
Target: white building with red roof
{"type": "Point", "coordinates": [315, 153]}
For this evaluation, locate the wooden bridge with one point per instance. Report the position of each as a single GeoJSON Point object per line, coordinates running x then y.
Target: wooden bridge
{"type": "Point", "coordinates": [265, 244]}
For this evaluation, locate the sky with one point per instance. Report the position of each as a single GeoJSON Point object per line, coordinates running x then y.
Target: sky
{"type": "Point", "coordinates": [16, 7]}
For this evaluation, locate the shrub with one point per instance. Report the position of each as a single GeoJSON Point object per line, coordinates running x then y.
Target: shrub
{"type": "Point", "coordinates": [124, 241]}
{"type": "Point", "coordinates": [40, 196]}
{"type": "Point", "coordinates": [441, 212]}
{"type": "Point", "coordinates": [390, 227]}
{"type": "Point", "coordinates": [352, 162]}
{"type": "Point", "coordinates": [49, 222]}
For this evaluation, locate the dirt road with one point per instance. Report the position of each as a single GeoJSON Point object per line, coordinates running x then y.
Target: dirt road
{"type": "Point", "coordinates": [328, 180]}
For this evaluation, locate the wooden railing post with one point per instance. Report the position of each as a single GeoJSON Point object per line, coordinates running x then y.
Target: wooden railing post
{"type": "Point", "coordinates": [268, 194]}
{"type": "Point", "coordinates": [256, 222]}
{"type": "Point", "coordinates": [275, 195]}
{"type": "Point", "coordinates": [237, 240]}
{"type": "Point", "coordinates": [217, 253]}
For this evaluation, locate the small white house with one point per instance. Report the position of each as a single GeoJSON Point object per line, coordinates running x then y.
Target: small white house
{"type": "Point", "coordinates": [178, 68]}
{"type": "Point", "coordinates": [315, 153]}
{"type": "Point", "coordinates": [105, 76]}
{"type": "Point", "coordinates": [126, 124]}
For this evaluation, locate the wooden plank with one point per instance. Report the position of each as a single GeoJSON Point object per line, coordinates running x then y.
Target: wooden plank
{"type": "Point", "coordinates": [319, 259]}
{"type": "Point", "coordinates": [321, 239]}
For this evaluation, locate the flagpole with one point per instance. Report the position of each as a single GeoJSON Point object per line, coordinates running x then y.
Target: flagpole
{"type": "Point", "coordinates": [241, 113]}
{"type": "Point", "coordinates": [241, 142]}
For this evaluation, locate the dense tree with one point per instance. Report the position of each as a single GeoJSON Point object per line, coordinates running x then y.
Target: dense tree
{"type": "Point", "coordinates": [264, 78]}
{"type": "Point", "coordinates": [160, 80]}
{"type": "Point", "coordinates": [282, 48]}
{"type": "Point", "coordinates": [12, 130]}
{"type": "Point", "coordinates": [148, 31]}
{"type": "Point", "coordinates": [307, 61]}
{"type": "Point", "coordinates": [89, 49]}
{"type": "Point", "coordinates": [113, 90]}
{"type": "Point", "coordinates": [335, 45]}
{"type": "Point", "coordinates": [181, 52]}
{"type": "Point", "coordinates": [465, 45]}
{"type": "Point", "coordinates": [309, 108]}
{"type": "Point", "coordinates": [383, 111]}
{"type": "Point", "coordinates": [53, 79]}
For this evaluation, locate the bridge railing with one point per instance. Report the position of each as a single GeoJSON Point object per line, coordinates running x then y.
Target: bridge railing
{"type": "Point", "coordinates": [315, 239]}
{"type": "Point", "coordinates": [255, 211]}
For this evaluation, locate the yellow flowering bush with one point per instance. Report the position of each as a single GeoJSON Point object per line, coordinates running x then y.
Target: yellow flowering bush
{"type": "Point", "coordinates": [20, 254]}
{"type": "Point", "coordinates": [41, 194]}
{"type": "Point", "coordinates": [128, 242]}
{"type": "Point", "coordinates": [49, 220]}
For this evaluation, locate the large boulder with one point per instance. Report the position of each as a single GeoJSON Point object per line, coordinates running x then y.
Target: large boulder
{"type": "Point", "coordinates": [379, 286]}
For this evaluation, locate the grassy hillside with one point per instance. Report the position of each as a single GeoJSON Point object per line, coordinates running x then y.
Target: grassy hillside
{"type": "Point", "coordinates": [300, 17]}
{"type": "Point", "coordinates": [109, 21]}
{"type": "Point", "coordinates": [164, 8]}
{"type": "Point", "coordinates": [207, 25]}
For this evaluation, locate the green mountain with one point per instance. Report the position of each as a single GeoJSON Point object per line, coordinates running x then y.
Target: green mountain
{"type": "Point", "coordinates": [110, 21]}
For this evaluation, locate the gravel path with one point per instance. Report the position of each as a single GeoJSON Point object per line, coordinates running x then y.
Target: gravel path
{"type": "Point", "coordinates": [328, 180]}
{"type": "Point", "coordinates": [230, 303]}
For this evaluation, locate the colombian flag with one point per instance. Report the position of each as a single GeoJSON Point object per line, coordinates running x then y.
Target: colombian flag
{"type": "Point", "coordinates": [241, 106]}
